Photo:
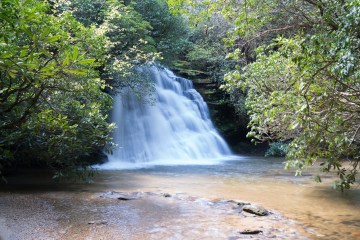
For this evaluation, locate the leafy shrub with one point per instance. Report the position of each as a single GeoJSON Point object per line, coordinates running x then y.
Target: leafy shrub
{"type": "Point", "coordinates": [277, 149]}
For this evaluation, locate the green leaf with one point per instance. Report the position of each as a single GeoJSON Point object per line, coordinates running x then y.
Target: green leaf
{"type": "Point", "coordinates": [76, 71]}
{"type": "Point", "coordinates": [52, 39]}
{"type": "Point", "coordinates": [75, 53]}
{"type": "Point", "coordinates": [87, 61]}
{"type": "Point", "coordinates": [66, 61]}
{"type": "Point", "coordinates": [23, 53]}
{"type": "Point", "coordinates": [12, 73]}
{"type": "Point", "coordinates": [6, 55]}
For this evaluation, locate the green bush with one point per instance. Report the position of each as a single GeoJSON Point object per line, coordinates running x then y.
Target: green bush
{"type": "Point", "coordinates": [277, 149]}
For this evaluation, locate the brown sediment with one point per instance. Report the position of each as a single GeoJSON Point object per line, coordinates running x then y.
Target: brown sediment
{"type": "Point", "coordinates": [145, 215]}
{"type": "Point", "coordinates": [177, 206]}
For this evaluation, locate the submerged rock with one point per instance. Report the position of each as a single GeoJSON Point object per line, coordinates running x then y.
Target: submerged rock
{"type": "Point", "coordinates": [126, 198]}
{"type": "Point", "coordinates": [239, 202]}
{"type": "Point", "coordinates": [257, 210]}
{"type": "Point", "coordinates": [167, 195]}
{"type": "Point", "coordinates": [101, 222]}
{"type": "Point", "coordinates": [248, 231]}
{"type": "Point", "coordinates": [123, 196]}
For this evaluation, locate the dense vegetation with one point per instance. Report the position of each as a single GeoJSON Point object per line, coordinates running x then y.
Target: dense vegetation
{"type": "Point", "coordinates": [297, 63]}
{"type": "Point", "coordinates": [52, 106]}
{"type": "Point", "coordinates": [288, 67]}
{"type": "Point", "coordinates": [58, 62]}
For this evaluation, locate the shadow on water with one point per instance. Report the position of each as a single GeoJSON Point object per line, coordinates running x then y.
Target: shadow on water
{"type": "Point", "coordinates": [42, 181]}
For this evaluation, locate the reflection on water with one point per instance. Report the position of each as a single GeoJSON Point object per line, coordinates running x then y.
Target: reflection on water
{"type": "Point", "coordinates": [330, 214]}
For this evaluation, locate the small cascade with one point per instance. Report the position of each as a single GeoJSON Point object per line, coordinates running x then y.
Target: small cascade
{"type": "Point", "coordinates": [173, 129]}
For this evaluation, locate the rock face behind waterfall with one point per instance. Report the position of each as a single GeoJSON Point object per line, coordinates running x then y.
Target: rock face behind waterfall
{"type": "Point", "coordinates": [174, 129]}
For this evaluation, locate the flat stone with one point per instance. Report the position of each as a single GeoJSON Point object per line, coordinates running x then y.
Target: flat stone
{"type": "Point", "coordinates": [257, 210]}
{"type": "Point", "coordinates": [248, 231]}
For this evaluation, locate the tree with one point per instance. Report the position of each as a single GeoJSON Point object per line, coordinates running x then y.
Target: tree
{"type": "Point", "coordinates": [51, 101]}
{"type": "Point", "coordinates": [128, 43]}
{"type": "Point", "coordinates": [305, 88]}
{"type": "Point", "coordinates": [170, 33]}
{"type": "Point", "coordinates": [296, 62]}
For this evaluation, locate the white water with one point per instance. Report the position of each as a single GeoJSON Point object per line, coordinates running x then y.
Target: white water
{"type": "Point", "coordinates": [175, 129]}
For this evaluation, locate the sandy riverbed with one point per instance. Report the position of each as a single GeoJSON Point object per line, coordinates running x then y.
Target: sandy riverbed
{"type": "Point", "coordinates": [84, 215]}
{"type": "Point", "coordinates": [198, 208]}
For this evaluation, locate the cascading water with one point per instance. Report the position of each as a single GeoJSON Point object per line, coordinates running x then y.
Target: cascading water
{"type": "Point", "coordinates": [175, 129]}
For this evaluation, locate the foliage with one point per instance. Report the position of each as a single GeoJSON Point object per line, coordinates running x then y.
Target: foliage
{"type": "Point", "coordinates": [307, 90]}
{"type": "Point", "coordinates": [301, 86]}
{"type": "Point", "coordinates": [51, 101]}
{"type": "Point", "coordinates": [169, 33]}
{"type": "Point", "coordinates": [127, 38]}
{"type": "Point", "coordinates": [128, 44]}
{"type": "Point", "coordinates": [89, 12]}
{"type": "Point", "coordinates": [277, 149]}
{"type": "Point", "coordinates": [58, 59]}
{"type": "Point", "coordinates": [208, 53]}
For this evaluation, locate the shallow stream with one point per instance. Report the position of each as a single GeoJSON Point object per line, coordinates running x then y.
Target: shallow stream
{"type": "Point", "coordinates": [320, 211]}
{"type": "Point", "coordinates": [324, 212]}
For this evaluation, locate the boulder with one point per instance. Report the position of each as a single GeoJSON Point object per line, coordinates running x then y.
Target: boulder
{"type": "Point", "coordinates": [254, 209]}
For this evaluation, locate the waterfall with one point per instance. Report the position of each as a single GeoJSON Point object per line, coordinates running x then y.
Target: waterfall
{"type": "Point", "coordinates": [174, 128]}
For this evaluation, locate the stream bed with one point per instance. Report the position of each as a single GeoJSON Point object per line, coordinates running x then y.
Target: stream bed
{"type": "Point", "coordinates": [180, 202]}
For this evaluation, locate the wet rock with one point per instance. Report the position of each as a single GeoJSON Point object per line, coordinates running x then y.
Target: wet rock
{"type": "Point", "coordinates": [248, 231]}
{"type": "Point", "coordinates": [167, 195]}
{"type": "Point", "coordinates": [121, 196]}
{"type": "Point", "coordinates": [241, 203]}
{"type": "Point", "coordinates": [101, 222]}
{"type": "Point", "coordinates": [237, 203]}
{"type": "Point", "coordinates": [126, 198]}
{"type": "Point", "coordinates": [257, 210]}
{"type": "Point", "coordinates": [108, 195]}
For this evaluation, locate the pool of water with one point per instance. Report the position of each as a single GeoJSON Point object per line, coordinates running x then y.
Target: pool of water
{"type": "Point", "coordinates": [328, 213]}
{"type": "Point", "coordinates": [322, 211]}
